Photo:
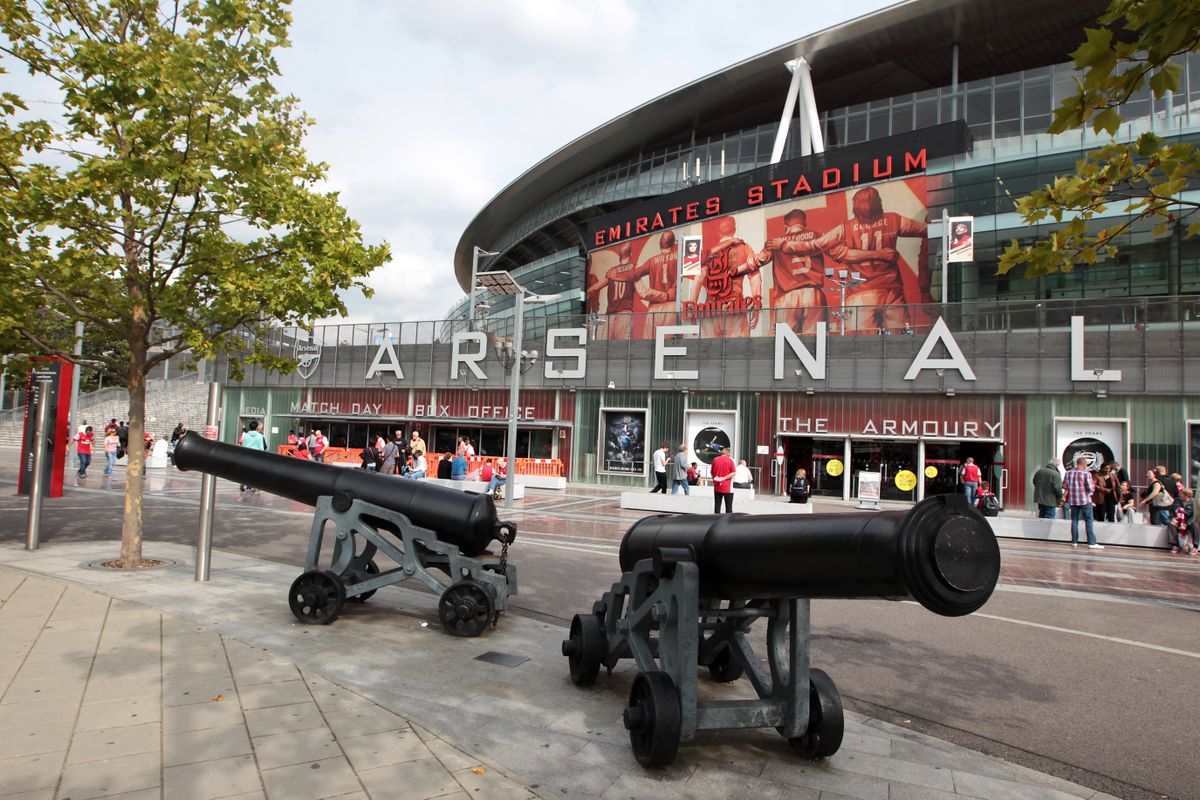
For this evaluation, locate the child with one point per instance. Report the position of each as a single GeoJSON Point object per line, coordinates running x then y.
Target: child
{"type": "Point", "coordinates": [986, 501]}
{"type": "Point", "coordinates": [1184, 529]}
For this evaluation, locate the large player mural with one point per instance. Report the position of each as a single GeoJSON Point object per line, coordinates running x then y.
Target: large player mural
{"type": "Point", "coordinates": [776, 257]}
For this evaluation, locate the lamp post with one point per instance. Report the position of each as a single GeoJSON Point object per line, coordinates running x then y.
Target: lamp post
{"type": "Point", "coordinates": [475, 254]}
{"type": "Point", "coordinates": [846, 280]}
{"type": "Point", "coordinates": [503, 283]}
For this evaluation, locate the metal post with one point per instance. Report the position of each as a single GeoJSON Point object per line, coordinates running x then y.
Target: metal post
{"type": "Point", "coordinates": [945, 256]}
{"type": "Point", "coordinates": [514, 392]}
{"type": "Point", "coordinates": [475, 254]}
{"type": "Point", "coordinates": [3, 380]}
{"type": "Point", "coordinates": [789, 111]}
{"type": "Point", "coordinates": [38, 487]}
{"type": "Point", "coordinates": [208, 486]}
{"type": "Point", "coordinates": [954, 83]}
{"type": "Point", "coordinates": [814, 137]}
{"type": "Point", "coordinates": [75, 378]}
{"type": "Point", "coordinates": [842, 284]}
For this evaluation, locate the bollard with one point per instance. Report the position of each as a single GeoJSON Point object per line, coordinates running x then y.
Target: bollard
{"type": "Point", "coordinates": [38, 486]}
{"type": "Point", "coordinates": [208, 489]}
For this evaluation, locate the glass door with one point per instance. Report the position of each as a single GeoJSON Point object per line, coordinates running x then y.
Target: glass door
{"type": "Point", "coordinates": [896, 463]}
{"type": "Point", "coordinates": [943, 460]}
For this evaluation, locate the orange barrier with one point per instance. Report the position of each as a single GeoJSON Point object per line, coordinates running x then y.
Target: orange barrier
{"type": "Point", "coordinates": [549, 467]}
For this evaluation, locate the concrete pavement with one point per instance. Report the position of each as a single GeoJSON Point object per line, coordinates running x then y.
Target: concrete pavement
{"type": "Point", "coordinates": [146, 684]}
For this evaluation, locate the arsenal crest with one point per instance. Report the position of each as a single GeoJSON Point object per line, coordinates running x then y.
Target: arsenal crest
{"type": "Point", "coordinates": [309, 356]}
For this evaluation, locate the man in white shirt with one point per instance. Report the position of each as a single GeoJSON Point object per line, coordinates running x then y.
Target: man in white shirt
{"type": "Point", "coordinates": [742, 477]}
{"type": "Point", "coordinates": [660, 458]}
{"type": "Point", "coordinates": [419, 465]}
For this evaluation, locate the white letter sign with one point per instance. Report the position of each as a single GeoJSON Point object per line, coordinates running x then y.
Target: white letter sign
{"type": "Point", "coordinates": [1078, 371]}
{"type": "Point", "coordinates": [578, 353]}
{"type": "Point", "coordinates": [392, 364]}
{"type": "Point", "coordinates": [814, 365]}
{"type": "Point", "coordinates": [662, 352]}
{"type": "Point", "coordinates": [940, 333]}
{"type": "Point", "coordinates": [457, 356]}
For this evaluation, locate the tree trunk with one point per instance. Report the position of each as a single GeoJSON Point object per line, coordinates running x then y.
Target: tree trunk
{"type": "Point", "coordinates": [131, 524]}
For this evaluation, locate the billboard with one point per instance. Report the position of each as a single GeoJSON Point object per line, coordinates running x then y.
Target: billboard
{"type": "Point", "coordinates": [707, 433]}
{"type": "Point", "coordinates": [794, 256]}
{"type": "Point", "coordinates": [1097, 440]}
{"type": "Point", "coordinates": [623, 441]}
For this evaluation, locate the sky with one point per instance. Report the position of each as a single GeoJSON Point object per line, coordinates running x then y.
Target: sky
{"type": "Point", "coordinates": [425, 111]}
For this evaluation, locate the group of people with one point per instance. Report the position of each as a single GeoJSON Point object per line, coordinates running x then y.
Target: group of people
{"type": "Point", "coordinates": [115, 443]}
{"type": "Point", "coordinates": [1106, 495]}
{"type": "Point", "coordinates": [685, 473]}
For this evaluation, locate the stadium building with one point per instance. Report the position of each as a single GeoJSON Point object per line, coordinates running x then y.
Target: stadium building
{"type": "Point", "coordinates": [796, 257]}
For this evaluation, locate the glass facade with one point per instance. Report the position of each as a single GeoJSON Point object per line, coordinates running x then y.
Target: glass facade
{"type": "Point", "coordinates": [1007, 115]}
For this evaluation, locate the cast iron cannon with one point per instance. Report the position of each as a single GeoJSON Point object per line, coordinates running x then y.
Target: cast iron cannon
{"type": "Point", "coordinates": [693, 585]}
{"type": "Point", "coordinates": [437, 528]}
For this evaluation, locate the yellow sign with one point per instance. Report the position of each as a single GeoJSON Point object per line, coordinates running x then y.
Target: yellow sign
{"type": "Point", "coordinates": [906, 481]}
{"type": "Point", "coordinates": [931, 471]}
{"type": "Point", "coordinates": [834, 467]}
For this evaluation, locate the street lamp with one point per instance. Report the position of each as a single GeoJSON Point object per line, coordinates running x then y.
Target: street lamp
{"type": "Point", "coordinates": [846, 280]}
{"type": "Point", "coordinates": [502, 283]}
{"type": "Point", "coordinates": [475, 254]}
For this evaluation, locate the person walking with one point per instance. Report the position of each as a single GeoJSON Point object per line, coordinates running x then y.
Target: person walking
{"type": "Point", "coordinates": [319, 445]}
{"type": "Point", "coordinates": [723, 471]}
{"type": "Point", "coordinates": [1080, 487]}
{"type": "Point", "coordinates": [390, 451]}
{"type": "Point", "coordinates": [255, 441]}
{"type": "Point", "coordinates": [83, 450]}
{"type": "Point", "coordinates": [1048, 490]}
{"type": "Point", "coordinates": [660, 458]}
{"type": "Point", "coordinates": [680, 475]}
{"type": "Point", "coordinates": [112, 443]}
{"type": "Point", "coordinates": [801, 489]}
{"type": "Point", "coordinates": [970, 481]}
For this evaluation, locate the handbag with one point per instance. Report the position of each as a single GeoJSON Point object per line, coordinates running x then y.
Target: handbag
{"type": "Point", "coordinates": [1163, 499]}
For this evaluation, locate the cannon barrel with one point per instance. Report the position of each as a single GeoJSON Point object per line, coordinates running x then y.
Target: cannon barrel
{"type": "Point", "coordinates": [940, 552]}
{"type": "Point", "coordinates": [465, 520]}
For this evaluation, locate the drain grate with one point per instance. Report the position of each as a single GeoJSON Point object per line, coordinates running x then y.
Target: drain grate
{"type": "Point", "coordinates": [503, 659]}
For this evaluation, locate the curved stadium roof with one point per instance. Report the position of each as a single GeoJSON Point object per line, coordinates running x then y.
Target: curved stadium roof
{"type": "Point", "coordinates": [901, 49]}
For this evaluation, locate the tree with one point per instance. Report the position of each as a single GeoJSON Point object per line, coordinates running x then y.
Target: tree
{"type": "Point", "coordinates": [1130, 52]}
{"type": "Point", "coordinates": [171, 202]}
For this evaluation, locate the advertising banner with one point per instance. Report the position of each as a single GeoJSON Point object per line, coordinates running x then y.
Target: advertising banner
{"type": "Point", "coordinates": [623, 441]}
{"type": "Point", "coordinates": [961, 243]}
{"type": "Point", "coordinates": [778, 256]}
{"type": "Point", "coordinates": [869, 486]}
{"type": "Point", "coordinates": [55, 375]}
{"type": "Point", "coordinates": [1099, 441]}
{"type": "Point", "coordinates": [708, 432]}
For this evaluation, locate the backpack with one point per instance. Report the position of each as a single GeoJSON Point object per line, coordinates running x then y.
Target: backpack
{"type": "Point", "coordinates": [370, 457]}
{"type": "Point", "coordinates": [990, 505]}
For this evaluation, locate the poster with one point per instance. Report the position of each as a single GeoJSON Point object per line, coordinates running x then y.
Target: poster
{"type": "Point", "coordinates": [1098, 441]}
{"type": "Point", "coordinates": [708, 432]}
{"type": "Point", "coordinates": [869, 486]}
{"type": "Point", "coordinates": [960, 245]}
{"type": "Point", "coordinates": [623, 441]}
{"type": "Point", "coordinates": [776, 256]}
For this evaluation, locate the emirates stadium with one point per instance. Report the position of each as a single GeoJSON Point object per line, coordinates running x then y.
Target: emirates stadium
{"type": "Point", "coordinates": [796, 258]}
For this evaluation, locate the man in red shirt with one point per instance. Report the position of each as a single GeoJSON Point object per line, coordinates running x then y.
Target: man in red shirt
{"type": "Point", "coordinates": [723, 470]}
{"type": "Point", "coordinates": [83, 449]}
{"type": "Point", "coordinates": [970, 481]}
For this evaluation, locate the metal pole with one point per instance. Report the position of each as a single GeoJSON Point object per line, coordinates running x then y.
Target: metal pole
{"type": "Point", "coordinates": [3, 380]}
{"type": "Point", "coordinates": [843, 285]}
{"type": "Point", "coordinates": [789, 110]}
{"type": "Point", "coordinates": [471, 292]}
{"type": "Point", "coordinates": [514, 392]}
{"type": "Point", "coordinates": [38, 486]}
{"type": "Point", "coordinates": [945, 256]}
{"type": "Point", "coordinates": [75, 378]}
{"type": "Point", "coordinates": [208, 486]}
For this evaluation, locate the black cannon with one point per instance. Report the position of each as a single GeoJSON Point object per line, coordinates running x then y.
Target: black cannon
{"type": "Point", "coordinates": [693, 585]}
{"type": "Point", "coordinates": [438, 528]}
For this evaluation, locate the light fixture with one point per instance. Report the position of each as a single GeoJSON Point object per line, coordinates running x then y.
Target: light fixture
{"type": "Point", "coordinates": [949, 393]}
{"type": "Point", "coordinates": [612, 384]}
{"type": "Point", "coordinates": [809, 390]}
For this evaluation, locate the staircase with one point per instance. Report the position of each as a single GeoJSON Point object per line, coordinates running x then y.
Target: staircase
{"type": "Point", "coordinates": [168, 402]}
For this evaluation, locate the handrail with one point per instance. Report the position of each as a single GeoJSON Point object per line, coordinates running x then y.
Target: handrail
{"type": "Point", "coordinates": [546, 467]}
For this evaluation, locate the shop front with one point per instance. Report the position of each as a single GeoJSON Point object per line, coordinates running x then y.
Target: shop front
{"type": "Point", "coordinates": [916, 446]}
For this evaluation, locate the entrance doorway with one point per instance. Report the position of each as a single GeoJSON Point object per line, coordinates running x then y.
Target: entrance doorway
{"type": "Point", "coordinates": [896, 463]}
{"type": "Point", "coordinates": [821, 460]}
{"type": "Point", "coordinates": [944, 460]}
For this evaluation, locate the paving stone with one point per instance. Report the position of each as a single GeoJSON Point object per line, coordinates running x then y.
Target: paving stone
{"type": "Point", "coordinates": [200, 690]}
{"type": "Point", "coordinates": [895, 769]}
{"type": "Point", "coordinates": [363, 720]}
{"type": "Point", "coordinates": [265, 695]}
{"type": "Point", "coordinates": [277, 719]}
{"type": "Point", "coordinates": [26, 773]}
{"type": "Point", "coordinates": [111, 776]}
{"type": "Point", "coordinates": [311, 781]}
{"type": "Point", "coordinates": [420, 779]}
{"type": "Point", "coordinates": [489, 783]}
{"type": "Point", "coordinates": [36, 794]}
{"type": "Point", "coordinates": [200, 716]}
{"type": "Point", "coordinates": [24, 689]}
{"type": "Point", "coordinates": [994, 789]}
{"type": "Point", "coordinates": [295, 747]}
{"type": "Point", "coordinates": [263, 672]}
{"type": "Point", "coordinates": [13, 715]}
{"type": "Point", "coordinates": [222, 777]}
{"type": "Point", "coordinates": [107, 689]}
{"type": "Point", "coordinates": [125, 741]}
{"type": "Point", "coordinates": [826, 778]}
{"type": "Point", "coordinates": [189, 747]}
{"type": "Point", "coordinates": [396, 747]}
{"type": "Point", "coordinates": [30, 741]}
{"type": "Point", "coordinates": [115, 713]}
{"type": "Point", "coordinates": [907, 791]}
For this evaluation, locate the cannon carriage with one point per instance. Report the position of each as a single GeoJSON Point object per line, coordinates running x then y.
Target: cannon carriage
{"type": "Point", "coordinates": [693, 586]}
{"type": "Point", "coordinates": [429, 531]}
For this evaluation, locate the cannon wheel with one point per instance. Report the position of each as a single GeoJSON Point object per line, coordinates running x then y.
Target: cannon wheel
{"type": "Point", "coordinates": [317, 597]}
{"type": "Point", "coordinates": [826, 722]}
{"type": "Point", "coordinates": [585, 649]}
{"type": "Point", "coordinates": [466, 609]}
{"type": "Point", "coordinates": [653, 719]}
{"type": "Point", "coordinates": [724, 668]}
{"type": "Point", "coordinates": [358, 575]}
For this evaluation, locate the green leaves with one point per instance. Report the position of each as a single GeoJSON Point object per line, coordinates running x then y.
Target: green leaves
{"type": "Point", "coordinates": [1144, 179]}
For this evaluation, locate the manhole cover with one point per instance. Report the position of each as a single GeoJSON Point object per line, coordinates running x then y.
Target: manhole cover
{"type": "Point", "coordinates": [503, 659]}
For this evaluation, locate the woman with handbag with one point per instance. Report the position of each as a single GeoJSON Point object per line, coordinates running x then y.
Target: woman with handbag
{"type": "Point", "coordinates": [1158, 499]}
